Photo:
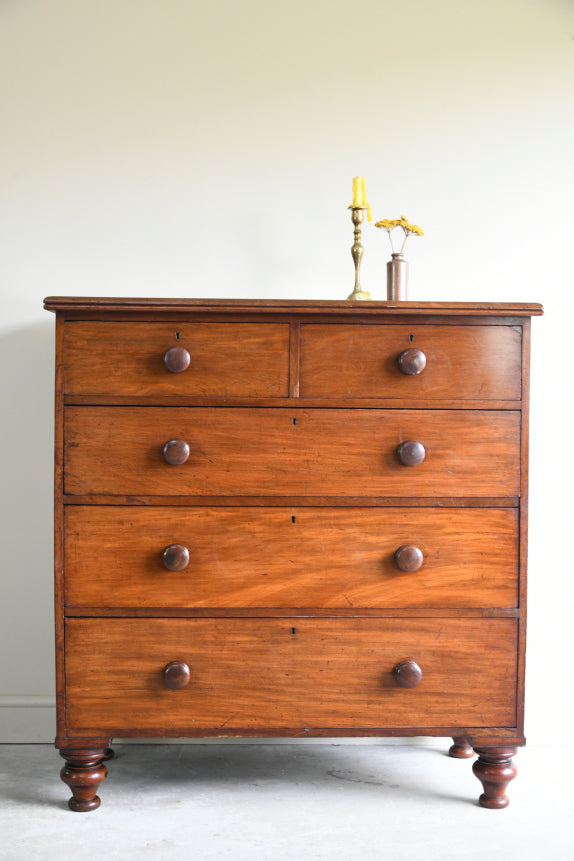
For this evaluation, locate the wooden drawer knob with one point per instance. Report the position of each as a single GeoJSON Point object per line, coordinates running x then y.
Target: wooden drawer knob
{"type": "Point", "coordinates": [176, 452]}
{"type": "Point", "coordinates": [412, 362]}
{"type": "Point", "coordinates": [408, 674]}
{"type": "Point", "coordinates": [408, 557]}
{"type": "Point", "coordinates": [176, 675]}
{"type": "Point", "coordinates": [411, 453]}
{"type": "Point", "coordinates": [176, 359]}
{"type": "Point", "coordinates": [175, 557]}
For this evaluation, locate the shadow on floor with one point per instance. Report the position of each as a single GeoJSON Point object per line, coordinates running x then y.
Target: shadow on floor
{"type": "Point", "coordinates": [159, 773]}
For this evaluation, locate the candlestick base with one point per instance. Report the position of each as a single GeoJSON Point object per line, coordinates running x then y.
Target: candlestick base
{"type": "Point", "coordinates": [359, 295]}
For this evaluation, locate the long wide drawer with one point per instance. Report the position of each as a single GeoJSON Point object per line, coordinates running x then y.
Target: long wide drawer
{"type": "Point", "coordinates": [298, 452]}
{"type": "Point", "coordinates": [124, 556]}
{"type": "Point", "coordinates": [209, 359]}
{"type": "Point", "coordinates": [341, 361]}
{"type": "Point", "coordinates": [292, 674]}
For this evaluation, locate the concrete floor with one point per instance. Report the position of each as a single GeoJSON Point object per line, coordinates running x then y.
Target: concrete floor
{"type": "Point", "coordinates": [261, 802]}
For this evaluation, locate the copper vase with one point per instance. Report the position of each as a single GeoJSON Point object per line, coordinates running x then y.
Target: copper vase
{"type": "Point", "coordinates": [397, 278]}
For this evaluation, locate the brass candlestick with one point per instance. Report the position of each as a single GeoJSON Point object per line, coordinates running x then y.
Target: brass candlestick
{"type": "Point", "coordinates": [357, 216]}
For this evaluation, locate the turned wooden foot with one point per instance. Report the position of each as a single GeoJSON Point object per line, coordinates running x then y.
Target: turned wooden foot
{"type": "Point", "coordinates": [109, 754]}
{"type": "Point", "coordinates": [461, 749]}
{"type": "Point", "coordinates": [83, 772]}
{"type": "Point", "coordinates": [495, 769]}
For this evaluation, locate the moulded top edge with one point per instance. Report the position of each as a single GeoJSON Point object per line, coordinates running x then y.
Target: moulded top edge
{"type": "Point", "coordinates": [288, 306]}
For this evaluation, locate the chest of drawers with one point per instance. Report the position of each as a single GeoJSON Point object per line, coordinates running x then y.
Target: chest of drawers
{"type": "Point", "coordinates": [290, 519]}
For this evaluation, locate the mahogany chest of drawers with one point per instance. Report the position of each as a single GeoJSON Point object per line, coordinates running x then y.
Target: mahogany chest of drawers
{"type": "Point", "coordinates": [290, 519]}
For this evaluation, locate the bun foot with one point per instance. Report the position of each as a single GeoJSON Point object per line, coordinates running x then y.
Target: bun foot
{"type": "Point", "coordinates": [495, 769]}
{"type": "Point", "coordinates": [461, 749]}
{"type": "Point", "coordinates": [83, 773]}
{"type": "Point", "coordinates": [84, 806]}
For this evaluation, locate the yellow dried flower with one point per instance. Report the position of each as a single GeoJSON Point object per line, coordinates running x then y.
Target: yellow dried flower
{"type": "Point", "coordinates": [389, 224]}
{"type": "Point", "coordinates": [410, 228]}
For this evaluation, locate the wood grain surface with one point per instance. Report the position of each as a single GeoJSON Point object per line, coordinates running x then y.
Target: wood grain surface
{"type": "Point", "coordinates": [254, 589]}
{"type": "Point", "coordinates": [290, 557]}
{"type": "Point", "coordinates": [288, 673]}
{"type": "Point", "coordinates": [227, 359]}
{"type": "Point", "coordinates": [118, 450]}
{"type": "Point", "coordinates": [87, 305]}
{"type": "Point", "coordinates": [362, 361]}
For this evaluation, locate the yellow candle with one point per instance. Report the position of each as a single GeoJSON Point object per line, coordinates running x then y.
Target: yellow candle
{"type": "Point", "coordinates": [360, 195]}
{"type": "Point", "coordinates": [365, 201]}
{"type": "Point", "coordinates": [358, 186]}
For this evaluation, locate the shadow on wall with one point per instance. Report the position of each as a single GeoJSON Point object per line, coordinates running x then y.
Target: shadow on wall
{"type": "Point", "coordinates": [26, 505]}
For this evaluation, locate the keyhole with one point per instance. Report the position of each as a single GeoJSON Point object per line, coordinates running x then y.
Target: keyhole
{"type": "Point", "coordinates": [293, 518]}
{"type": "Point", "coordinates": [411, 338]}
{"type": "Point", "coordinates": [177, 336]}
{"type": "Point", "coordinates": [293, 630]}
{"type": "Point", "coordinates": [294, 421]}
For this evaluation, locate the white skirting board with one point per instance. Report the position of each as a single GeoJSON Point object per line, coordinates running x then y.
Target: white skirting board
{"type": "Point", "coordinates": [27, 719]}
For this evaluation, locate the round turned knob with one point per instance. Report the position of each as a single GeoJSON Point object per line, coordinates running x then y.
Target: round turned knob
{"type": "Point", "coordinates": [408, 674]}
{"type": "Point", "coordinates": [412, 362]}
{"type": "Point", "coordinates": [177, 359]}
{"type": "Point", "coordinates": [411, 453]}
{"type": "Point", "coordinates": [176, 452]}
{"type": "Point", "coordinates": [176, 675]}
{"type": "Point", "coordinates": [175, 557]}
{"type": "Point", "coordinates": [408, 557]}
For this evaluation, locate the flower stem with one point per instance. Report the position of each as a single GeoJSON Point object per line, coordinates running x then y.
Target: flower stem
{"type": "Point", "coordinates": [404, 241]}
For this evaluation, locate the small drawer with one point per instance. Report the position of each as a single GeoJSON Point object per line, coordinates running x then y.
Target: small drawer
{"type": "Point", "coordinates": [287, 557]}
{"type": "Point", "coordinates": [378, 361]}
{"type": "Point", "coordinates": [290, 674]}
{"type": "Point", "coordinates": [219, 451]}
{"type": "Point", "coordinates": [190, 359]}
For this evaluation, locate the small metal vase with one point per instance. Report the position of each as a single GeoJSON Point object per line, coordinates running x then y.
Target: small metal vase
{"type": "Point", "coordinates": [397, 278]}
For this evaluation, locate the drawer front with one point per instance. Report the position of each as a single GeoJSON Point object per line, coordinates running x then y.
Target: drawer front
{"type": "Point", "coordinates": [340, 361]}
{"type": "Point", "coordinates": [286, 557]}
{"type": "Point", "coordinates": [287, 673]}
{"type": "Point", "coordinates": [280, 452]}
{"type": "Point", "coordinates": [225, 359]}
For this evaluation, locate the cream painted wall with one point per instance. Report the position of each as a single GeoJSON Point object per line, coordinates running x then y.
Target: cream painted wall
{"type": "Point", "coordinates": [163, 147]}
